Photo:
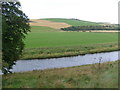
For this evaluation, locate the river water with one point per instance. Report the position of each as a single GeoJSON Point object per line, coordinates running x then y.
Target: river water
{"type": "Point", "coordinates": [41, 64]}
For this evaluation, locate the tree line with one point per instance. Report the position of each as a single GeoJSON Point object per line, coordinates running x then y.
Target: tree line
{"type": "Point", "coordinates": [81, 28]}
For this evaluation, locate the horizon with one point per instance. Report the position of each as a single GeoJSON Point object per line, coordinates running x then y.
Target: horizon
{"type": "Point", "coordinates": [86, 10]}
{"type": "Point", "coordinates": [74, 19]}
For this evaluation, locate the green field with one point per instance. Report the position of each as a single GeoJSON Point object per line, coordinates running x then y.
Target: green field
{"type": "Point", "coordinates": [72, 22]}
{"type": "Point", "coordinates": [104, 75]}
{"type": "Point", "coordinates": [38, 39]}
{"type": "Point", "coordinates": [42, 29]}
{"type": "Point", "coordinates": [45, 42]}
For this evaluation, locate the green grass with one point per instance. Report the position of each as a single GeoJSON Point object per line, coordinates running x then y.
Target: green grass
{"type": "Point", "coordinates": [103, 75]}
{"type": "Point", "coordinates": [72, 22]}
{"type": "Point", "coordinates": [57, 39]}
{"type": "Point", "coordinates": [55, 52]}
{"type": "Point", "coordinates": [42, 29]}
{"type": "Point", "coordinates": [44, 42]}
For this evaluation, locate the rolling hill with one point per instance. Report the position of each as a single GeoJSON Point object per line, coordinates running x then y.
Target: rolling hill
{"type": "Point", "coordinates": [46, 23]}
{"type": "Point", "coordinates": [58, 23]}
{"type": "Point", "coordinates": [73, 22]}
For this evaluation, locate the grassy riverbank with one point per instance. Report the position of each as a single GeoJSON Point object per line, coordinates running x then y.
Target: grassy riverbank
{"type": "Point", "coordinates": [55, 52]}
{"type": "Point", "coordinates": [103, 75]}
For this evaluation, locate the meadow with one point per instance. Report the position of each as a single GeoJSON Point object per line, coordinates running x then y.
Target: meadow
{"type": "Point", "coordinates": [37, 39]}
{"type": "Point", "coordinates": [46, 42]}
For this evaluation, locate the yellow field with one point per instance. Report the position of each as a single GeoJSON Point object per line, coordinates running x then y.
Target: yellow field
{"type": "Point", "coordinates": [56, 25]}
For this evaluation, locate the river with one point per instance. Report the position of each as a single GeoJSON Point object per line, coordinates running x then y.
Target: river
{"type": "Point", "coordinates": [41, 64]}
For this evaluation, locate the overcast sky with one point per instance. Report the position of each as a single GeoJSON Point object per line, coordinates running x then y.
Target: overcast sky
{"type": "Point", "coordinates": [89, 10]}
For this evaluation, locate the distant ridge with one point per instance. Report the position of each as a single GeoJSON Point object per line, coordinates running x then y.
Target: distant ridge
{"type": "Point", "coordinates": [58, 23]}
{"type": "Point", "coordinates": [72, 21]}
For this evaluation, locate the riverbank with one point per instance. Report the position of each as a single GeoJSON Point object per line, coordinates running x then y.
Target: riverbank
{"type": "Point", "coordinates": [57, 52]}
{"type": "Point", "coordinates": [43, 64]}
{"type": "Point", "coordinates": [103, 75]}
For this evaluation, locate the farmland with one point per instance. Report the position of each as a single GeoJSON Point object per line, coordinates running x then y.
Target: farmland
{"type": "Point", "coordinates": [55, 39]}
{"type": "Point", "coordinates": [72, 22]}
{"type": "Point", "coordinates": [40, 29]}
{"type": "Point", "coordinates": [47, 42]}
{"type": "Point", "coordinates": [46, 23]}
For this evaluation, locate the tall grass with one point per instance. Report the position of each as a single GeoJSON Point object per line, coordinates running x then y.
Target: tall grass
{"type": "Point", "coordinates": [54, 52]}
{"type": "Point", "coordinates": [103, 75]}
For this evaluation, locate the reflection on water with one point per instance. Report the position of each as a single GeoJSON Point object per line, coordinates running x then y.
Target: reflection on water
{"type": "Point", "coordinates": [29, 65]}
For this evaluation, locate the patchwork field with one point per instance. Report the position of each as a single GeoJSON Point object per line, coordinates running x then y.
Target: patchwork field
{"type": "Point", "coordinates": [56, 25]}
{"type": "Point", "coordinates": [46, 42]}
{"type": "Point", "coordinates": [73, 22]}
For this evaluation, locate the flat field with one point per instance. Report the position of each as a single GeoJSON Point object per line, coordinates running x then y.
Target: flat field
{"type": "Point", "coordinates": [47, 37]}
{"type": "Point", "coordinates": [46, 42]}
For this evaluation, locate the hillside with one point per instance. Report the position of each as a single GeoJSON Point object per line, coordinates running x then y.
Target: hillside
{"type": "Point", "coordinates": [39, 29]}
{"type": "Point", "coordinates": [73, 22]}
{"type": "Point", "coordinates": [55, 25]}
{"type": "Point", "coordinates": [58, 23]}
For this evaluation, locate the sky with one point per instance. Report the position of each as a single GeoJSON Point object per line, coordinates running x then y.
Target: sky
{"type": "Point", "coordinates": [88, 10]}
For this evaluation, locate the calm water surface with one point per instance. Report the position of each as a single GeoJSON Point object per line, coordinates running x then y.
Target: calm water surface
{"type": "Point", "coordinates": [40, 64]}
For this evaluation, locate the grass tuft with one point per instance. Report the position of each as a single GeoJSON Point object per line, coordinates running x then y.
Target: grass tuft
{"type": "Point", "coordinates": [104, 75]}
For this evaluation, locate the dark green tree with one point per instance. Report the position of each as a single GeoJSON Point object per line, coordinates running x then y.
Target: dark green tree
{"type": "Point", "coordinates": [15, 26]}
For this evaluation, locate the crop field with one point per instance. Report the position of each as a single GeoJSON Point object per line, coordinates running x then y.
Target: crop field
{"type": "Point", "coordinates": [40, 29]}
{"type": "Point", "coordinates": [39, 37]}
{"type": "Point", "coordinates": [46, 23]}
{"type": "Point", "coordinates": [46, 42]}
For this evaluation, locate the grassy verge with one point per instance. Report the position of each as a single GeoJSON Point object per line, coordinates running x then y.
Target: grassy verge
{"type": "Point", "coordinates": [55, 52]}
{"type": "Point", "coordinates": [103, 75]}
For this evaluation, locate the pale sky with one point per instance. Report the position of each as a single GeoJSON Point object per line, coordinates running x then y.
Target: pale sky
{"type": "Point", "coordinates": [89, 10]}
